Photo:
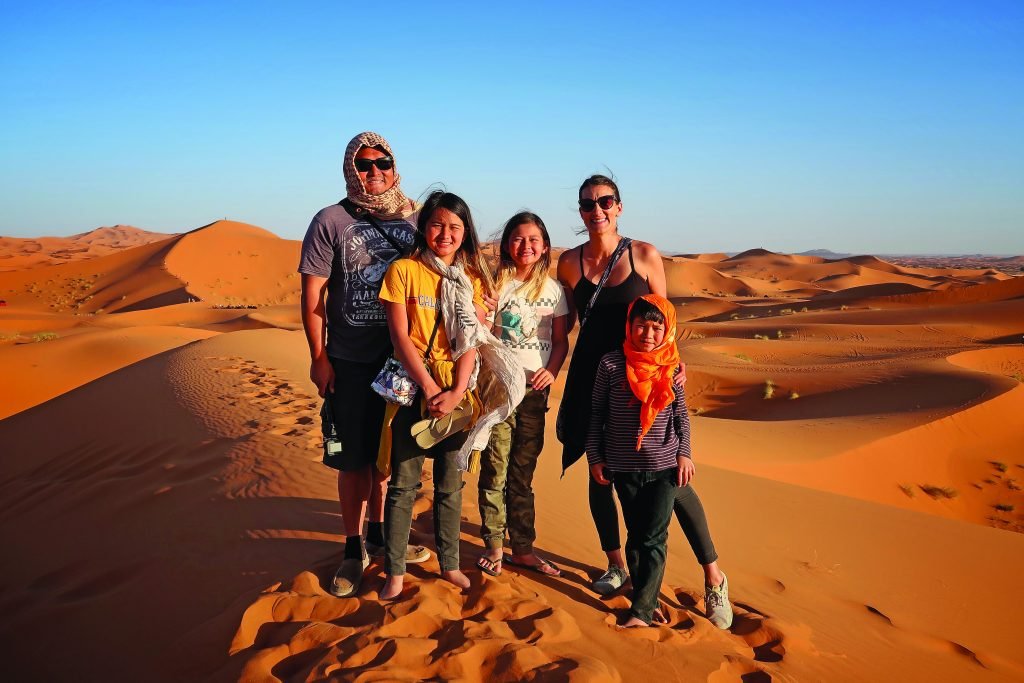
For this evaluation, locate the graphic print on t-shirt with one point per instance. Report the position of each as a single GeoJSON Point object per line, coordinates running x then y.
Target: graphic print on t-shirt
{"type": "Point", "coordinates": [525, 324]}
{"type": "Point", "coordinates": [366, 255]}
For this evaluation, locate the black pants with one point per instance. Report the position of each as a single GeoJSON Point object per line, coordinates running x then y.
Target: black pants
{"type": "Point", "coordinates": [647, 500]}
{"type": "Point", "coordinates": [688, 508]}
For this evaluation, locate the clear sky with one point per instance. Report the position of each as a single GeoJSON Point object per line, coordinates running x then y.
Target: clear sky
{"type": "Point", "coordinates": [874, 127]}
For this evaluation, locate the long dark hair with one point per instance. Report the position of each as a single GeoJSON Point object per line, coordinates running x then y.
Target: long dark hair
{"type": "Point", "coordinates": [534, 284]}
{"type": "Point", "coordinates": [470, 253]}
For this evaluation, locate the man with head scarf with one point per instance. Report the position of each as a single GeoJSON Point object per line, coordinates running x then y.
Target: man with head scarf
{"type": "Point", "coordinates": [347, 248]}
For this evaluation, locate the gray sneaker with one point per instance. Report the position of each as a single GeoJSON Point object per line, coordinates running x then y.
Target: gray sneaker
{"type": "Point", "coordinates": [717, 608]}
{"type": "Point", "coordinates": [414, 554]}
{"type": "Point", "coordinates": [348, 577]}
{"type": "Point", "coordinates": [611, 581]}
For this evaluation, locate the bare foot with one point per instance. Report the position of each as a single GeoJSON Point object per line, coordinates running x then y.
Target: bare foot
{"type": "Point", "coordinates": [457, 577]}
{"type": "Point", "coordinates": [633, 622]}
{"type": "Point", "coordinates": [659, 617]}
{"type": "Point", "coordinates": [392, 587]}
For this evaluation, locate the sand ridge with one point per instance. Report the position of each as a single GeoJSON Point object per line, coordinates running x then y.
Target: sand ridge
{"type": "Point", "coordinates": [856, 454]}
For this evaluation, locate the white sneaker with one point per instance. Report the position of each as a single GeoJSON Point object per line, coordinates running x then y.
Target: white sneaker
{"type": "Point", "coordinates": [717, 607]}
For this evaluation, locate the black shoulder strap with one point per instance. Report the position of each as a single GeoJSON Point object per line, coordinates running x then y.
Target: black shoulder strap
{"type": "Point", "coordinates": [433, 333]}
{"type": "Point", "coordinates": [612, 260]}
{"type": "Point", "coordinates": [359, 213]}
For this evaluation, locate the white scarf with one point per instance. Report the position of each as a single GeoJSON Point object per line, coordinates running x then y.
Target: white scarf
{"type": "Point", "coordinates": [497, 374]}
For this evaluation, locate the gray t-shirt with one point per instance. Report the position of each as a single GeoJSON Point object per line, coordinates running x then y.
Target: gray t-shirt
{"type": "Point", "coordinates": [353, 255]}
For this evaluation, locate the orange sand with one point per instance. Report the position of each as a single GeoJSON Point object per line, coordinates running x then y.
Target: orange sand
{"type": "Point", "coordinates": [167, 517]}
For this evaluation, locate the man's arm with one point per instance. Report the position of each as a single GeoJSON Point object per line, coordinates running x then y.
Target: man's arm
{"type": "Point", "coordinates": [314, 323]}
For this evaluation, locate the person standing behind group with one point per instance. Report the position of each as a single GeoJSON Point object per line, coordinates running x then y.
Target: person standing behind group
{"type": "Point", "coordinates": [579, 270]}
{"type": "Point", "coordinates": [344, 255]}
{"type": "Point", "coordinates": [530, 319]}
{"type": "Point", "coordinates": [446, 247]}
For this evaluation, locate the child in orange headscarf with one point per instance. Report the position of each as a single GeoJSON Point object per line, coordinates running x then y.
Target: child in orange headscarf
{"type": "Point", "coordinates": [639, 438]}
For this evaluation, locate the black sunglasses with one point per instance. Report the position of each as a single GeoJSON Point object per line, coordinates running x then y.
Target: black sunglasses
{"type": "Point", "coordinates": [606, 202]}
{"type": "Point", "coordinates": [382, 163]}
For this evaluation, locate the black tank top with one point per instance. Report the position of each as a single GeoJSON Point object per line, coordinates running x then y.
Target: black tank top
{"type": "Point", "coordinates": [606, 326]}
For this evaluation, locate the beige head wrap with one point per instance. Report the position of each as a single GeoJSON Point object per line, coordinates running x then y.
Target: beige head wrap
{"type": "Point", "coordinates": [390, 204]}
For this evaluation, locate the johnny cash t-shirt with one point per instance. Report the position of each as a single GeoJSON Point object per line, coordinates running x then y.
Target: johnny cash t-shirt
{"type": "Point", "coordinates": [353, 255]}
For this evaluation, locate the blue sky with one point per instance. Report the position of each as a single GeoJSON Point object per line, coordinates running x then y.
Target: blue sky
{"type": "Point", "coordinates": [872, 128]}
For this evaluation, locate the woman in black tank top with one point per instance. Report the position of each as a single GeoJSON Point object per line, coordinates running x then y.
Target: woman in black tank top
{"type": "Point", "coordinates": [602, 331]}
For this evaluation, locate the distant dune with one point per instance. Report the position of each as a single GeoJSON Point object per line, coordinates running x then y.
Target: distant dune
{"type": "Point", "coordinates": [856, 434]}
{"type": "Point", "coordinates": [18, 253]}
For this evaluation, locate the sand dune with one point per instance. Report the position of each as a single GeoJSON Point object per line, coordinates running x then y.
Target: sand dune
{"type": "Point", "coordinates": [21, 253]}
{"type": "Point", "coordinates": [858, 453]}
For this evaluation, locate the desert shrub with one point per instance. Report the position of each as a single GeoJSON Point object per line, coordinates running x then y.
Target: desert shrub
{"type": "Point", "coordinates": [769, 389]}
{"type": "Point", "coordinates": [998, 466]}
{"type": "Point", "coordinates": [761, 336]}
{"type": "Point", "coordinates": [44, 336]}
{"type": "Point", "coordinates": [778, 334]}
{"type": "Point", "coordinates": [793, 395]}
{"type": "Point", "coordinates": [907, 489]}
{"type": "Point", "coordinates": [1003, 507]}
{"type": "Point", "coordinates": [743, 357]}
{"type": "Point", "coordinates": [938, 491]}
{"type": "Point", "coordinates": [843, 307]}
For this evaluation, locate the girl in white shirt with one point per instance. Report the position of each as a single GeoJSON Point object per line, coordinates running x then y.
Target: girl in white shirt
{"type": "Point", "coordinates": [530, 318]}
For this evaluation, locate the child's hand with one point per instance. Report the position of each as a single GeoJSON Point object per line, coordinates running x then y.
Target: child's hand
{"type": "Point", "coordinates": [542, 379]}
{"type": "Point", "coordinates": [444, 402]}
{"type": "Point", "coordinates": [431, 390]}
{"type": "Point", "coordinates": [597, 472]}
{"type": "Point", "coordinates": [684, 471]}
{"type": "Point", "coordinates": [680, 379]}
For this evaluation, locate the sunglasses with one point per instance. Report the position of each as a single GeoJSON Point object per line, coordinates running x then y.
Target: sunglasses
{"type": "Point", "coordinates": [383, 164]}
{"type": "Point", "coordinates": [606, 202]}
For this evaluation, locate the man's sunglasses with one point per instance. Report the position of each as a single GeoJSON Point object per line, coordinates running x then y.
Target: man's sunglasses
{"type": "Point", "coordinates": [383, 164]}
{"type": "Point", "coordinates": [606, 202]}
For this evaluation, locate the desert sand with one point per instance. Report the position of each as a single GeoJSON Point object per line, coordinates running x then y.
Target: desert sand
{"type": "Point", "coordinates": [857, 438]}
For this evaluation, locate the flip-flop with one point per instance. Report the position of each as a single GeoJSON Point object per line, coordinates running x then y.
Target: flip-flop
{"type": "Point", "coordinates": [432, 431]}
{"type": "Point", "coordinates": [546, 567]}
{"type": "Point", "coordinates": [489, 566]}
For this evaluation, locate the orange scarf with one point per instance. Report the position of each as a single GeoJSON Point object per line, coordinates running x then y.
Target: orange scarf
{"type": "Point", "coordinates": [650, 372]}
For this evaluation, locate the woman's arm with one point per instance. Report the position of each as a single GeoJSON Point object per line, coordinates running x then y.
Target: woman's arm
{"type": "Point", "coordinates": [568, 277]}
{"type": "Point", "coordinates": [405, 351]}
{"type": "Point", "coordinates": [651, 266]}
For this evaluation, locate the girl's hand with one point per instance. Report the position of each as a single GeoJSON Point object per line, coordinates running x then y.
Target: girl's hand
{"type": "Point", "coordinates": [680, 379]}
{"type": "Point", "coordinates": [684, 471]}
{"type": "Point", "coordinates": [597, 472]}
{"type": "Point", "coordinates": [542, 379]}
{"type": "Point", "coordinates": [431, 390]}
{"type": "Point", "coordinates": [445, 402]}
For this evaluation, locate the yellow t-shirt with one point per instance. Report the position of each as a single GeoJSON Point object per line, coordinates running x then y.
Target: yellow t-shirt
{"type": "Point", "coordinates": [408, 280]}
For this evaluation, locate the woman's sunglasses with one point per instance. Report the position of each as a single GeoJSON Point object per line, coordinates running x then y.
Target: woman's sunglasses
{"type": "Point", "coordinates": [606, 202]}
{"type": "Point", "coordinates": [383, 164]}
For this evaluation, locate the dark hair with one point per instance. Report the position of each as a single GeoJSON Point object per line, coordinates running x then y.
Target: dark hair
{"type": "Point", "coordinates": [645, 310]}
{"type": "Point", "coordinates": [507, 266]}
{"type": "Point", "coordinates": [598, 180]}
{"type": "Point", "coordinates": [470, 247]}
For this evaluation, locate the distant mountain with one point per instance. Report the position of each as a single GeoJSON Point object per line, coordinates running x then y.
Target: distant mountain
{"type": "Point", "coordinates": [824, 253]}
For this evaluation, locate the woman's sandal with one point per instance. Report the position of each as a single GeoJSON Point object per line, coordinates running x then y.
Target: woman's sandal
{"type": "Point", "coordinates": [489, 566]}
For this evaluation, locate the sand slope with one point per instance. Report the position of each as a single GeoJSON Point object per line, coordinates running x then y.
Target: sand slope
{"type": "Point", "coordinates": [167, 517]}
{"type": "Point", "coordinates": [198, 527]}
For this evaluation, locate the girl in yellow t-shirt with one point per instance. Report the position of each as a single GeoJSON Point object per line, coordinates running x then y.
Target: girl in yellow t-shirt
{"type": "Point", "coordinates": [411, 295]}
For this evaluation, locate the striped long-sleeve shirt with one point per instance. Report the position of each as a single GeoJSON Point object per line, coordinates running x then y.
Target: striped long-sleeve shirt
{"type": "Point", "coordinates": [615, 424]}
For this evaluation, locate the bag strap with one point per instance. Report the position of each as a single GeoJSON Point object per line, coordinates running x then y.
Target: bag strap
{"type": "Point", "coordinates": [360, 213]}
{"type": "Point", "coordinates": [430, 344]}
{"type": "Point", "coordinates": [612, 260]}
